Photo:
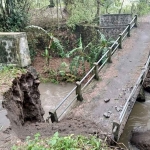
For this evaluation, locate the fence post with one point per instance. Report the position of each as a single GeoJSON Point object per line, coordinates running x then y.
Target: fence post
{"type": "Point", "coordinates": [129, 26]}
{"type": "Point", "coordinates": [115, 130]}
{"type": "Point", "coordinates": [120, 41]}
{"type": "Point", "coordinates": [135, 21]}
{"type": "Point", "coordinates": [53, 116]}
{"type": "Point", "coordinates": [109, 54]}
{"type": "Point", "coordinates": [78, 91]}
{"type": "Point", "coordinates": [96, 71]}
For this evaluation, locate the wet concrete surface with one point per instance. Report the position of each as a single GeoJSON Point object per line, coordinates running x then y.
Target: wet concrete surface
{"type": "Point", "coordinates": [117, 79]}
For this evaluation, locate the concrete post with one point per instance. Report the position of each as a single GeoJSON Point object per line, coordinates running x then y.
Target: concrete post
{"type": "Point", "coordinates": [109, 55]}
{"type": "Point", "coordinates": [78, 91]}
{"type": "Point", "coordinates": [141, 96]}
{"type": "Point", "coordinates": [129, 26]}
{"type": "Point", "coordinates": [96, 71]}
{"type": "Point", "coordinates": [120, 41]}
{"type": "Point", "coordinates": [115, 130]}
{"type": "Point", "coordinates": [135, 21]}
{"type": "Point", "coordinates": [53, 116]}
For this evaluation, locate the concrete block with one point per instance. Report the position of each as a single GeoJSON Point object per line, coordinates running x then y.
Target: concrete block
{"type": "Point", "coordinates": [14, 49]}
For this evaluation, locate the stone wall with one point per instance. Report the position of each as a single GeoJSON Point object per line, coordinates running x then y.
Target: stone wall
{"type": "Point", "coordinates": [110, 20]}
{"type": "Point", "coordinates": [14, 49]}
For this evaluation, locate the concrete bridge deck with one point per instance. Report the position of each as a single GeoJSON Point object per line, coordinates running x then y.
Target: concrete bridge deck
{"type": "Point", "coordinates": [117, 79]}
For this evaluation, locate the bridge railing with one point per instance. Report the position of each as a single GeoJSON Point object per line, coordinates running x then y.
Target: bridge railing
{"type": "Point", "coordinates": [120, 123]}
{"type": "Point", "coordinates": [93, 72]}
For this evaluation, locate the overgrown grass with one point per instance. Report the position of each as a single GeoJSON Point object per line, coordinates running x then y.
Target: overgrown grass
{"type": "Point", "coordinates": [56, 142]}
{"type": "Point", "coordinates": [8, 73]}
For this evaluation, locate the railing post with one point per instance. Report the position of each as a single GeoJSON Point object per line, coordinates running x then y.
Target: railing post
{"type": "Point", "coordinates": [96, 71]}
{"type": "Point", "coordinates": [120, 41]}
{"type": "Point", "coordinates": [129, 26]}
{"type": "Point", "coordinates": [109, 54]}
{"type": "Point", "coordinates": [135, 21]}
{"type": "Point", "coordinates": [53, 116]}
{"type": "Point", "coordinates": [78, 91]}
{"type": "Point", "coordinates": [115, 130]}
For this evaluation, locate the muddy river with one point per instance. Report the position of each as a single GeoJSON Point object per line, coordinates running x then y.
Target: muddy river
{"type": "Point", "coordinates": [139, 118]}
{"type": "Point", "coordinates": [53, 94]}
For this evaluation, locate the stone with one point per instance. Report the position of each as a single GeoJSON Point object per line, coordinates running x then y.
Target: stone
{"type": "Point", "coordinates": [106, 115]}
{"type": "Point", "coordinates": [118, 108]}
{"type": "Point", "coordinates": [14, 49]}
{"type": "Point", "coordinates": [106, 100]}
{"type": "Point", "coordinates": [141, 139]}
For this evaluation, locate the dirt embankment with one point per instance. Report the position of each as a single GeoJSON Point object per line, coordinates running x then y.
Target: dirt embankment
{"type": "Point", "coordinates": [22, 100]}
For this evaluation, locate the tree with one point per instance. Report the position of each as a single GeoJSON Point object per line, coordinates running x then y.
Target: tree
{"type": "Point", "coordinates": [98, 9]}
{"type": "Point", "coordinates": [13, 14]}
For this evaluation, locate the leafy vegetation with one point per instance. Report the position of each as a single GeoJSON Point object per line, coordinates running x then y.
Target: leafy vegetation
{"type": "Point", "coordinates": [13, 14]}
{"type": "Point", "coordinates": [8, 73]}
{"type": "Point", "coordinates": [56, 142]}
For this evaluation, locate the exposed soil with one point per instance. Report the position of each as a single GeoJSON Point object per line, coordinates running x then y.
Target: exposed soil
{"type": "Point", "coordinates": [52, 71]}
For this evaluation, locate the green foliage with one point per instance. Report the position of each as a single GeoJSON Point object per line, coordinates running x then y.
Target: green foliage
{"type": "Point", "coordinates": [63, 143]}
{"type": "Point", "coordinates": [80, 11]}
{"type": "Point", "coordinates": [46, 55]}
{"type": "Point", "coordinates": [13, 14]}
{"type": "Point", "coordinates": [54, 45]}
{"type": "Point", "coordinates": [143, 8]}
{"type": "Point", "coordinates": [8, 73]}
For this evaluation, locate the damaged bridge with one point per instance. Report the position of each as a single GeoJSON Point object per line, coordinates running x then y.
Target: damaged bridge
{"type": "Point", "coordinates": [109, 99]}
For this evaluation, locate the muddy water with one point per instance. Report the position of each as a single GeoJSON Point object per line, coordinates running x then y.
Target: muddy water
{"type": "Point", "coordinates": [4, 121]}
{"type": "Point", "coordinates": [53, 94]}
{"type": "Point", "coordinates": [140, 117]}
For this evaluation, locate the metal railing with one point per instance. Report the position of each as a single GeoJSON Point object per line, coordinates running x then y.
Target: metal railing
{"type": "Point", "coordinates": [93, 72]}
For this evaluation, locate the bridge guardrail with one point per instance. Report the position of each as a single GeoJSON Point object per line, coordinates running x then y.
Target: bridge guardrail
{"type": "Point", "coordinates": [93, 72]}
{"type": "Point", "coordinates": [117, 125]}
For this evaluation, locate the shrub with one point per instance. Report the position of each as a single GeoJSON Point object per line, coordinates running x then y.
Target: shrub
{"type": "Point", "coordinates": [63, 143]}
{"type": "Point", "coordinates": [13, 14]}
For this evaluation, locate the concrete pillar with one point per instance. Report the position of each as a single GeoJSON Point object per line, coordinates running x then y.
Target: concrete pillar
{"type": "Point", "coordinates": [141, 96]}
{"type": "Point", "coordinates": [14, 49]}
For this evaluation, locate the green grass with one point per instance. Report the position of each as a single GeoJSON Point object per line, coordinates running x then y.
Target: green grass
{"type": "Point", "coordinates": [56, 142]}
{"type": "Point", "coordinates": [8, 73]}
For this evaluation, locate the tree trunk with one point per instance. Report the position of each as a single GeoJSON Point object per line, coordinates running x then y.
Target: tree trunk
{"type": "Point", "coordinates": [121, 7]}
{"type": "Point", "coordinates": [98, 9]}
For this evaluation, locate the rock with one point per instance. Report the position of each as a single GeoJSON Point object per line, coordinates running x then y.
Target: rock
{"type": "Point", "coordinates": [106, 100]}
{"type": "Point", "coordinates": [141, 139]}
{"type": "Point", "coordinates": [106, 115]}
{"type": "Point", "coordinates": [32, 70]}
{"type": "Point", "coordinates": [118, 108]}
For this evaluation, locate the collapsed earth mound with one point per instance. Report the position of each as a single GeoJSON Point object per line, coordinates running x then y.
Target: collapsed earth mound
{"type": "Point", "coordinates": [22, 100]}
